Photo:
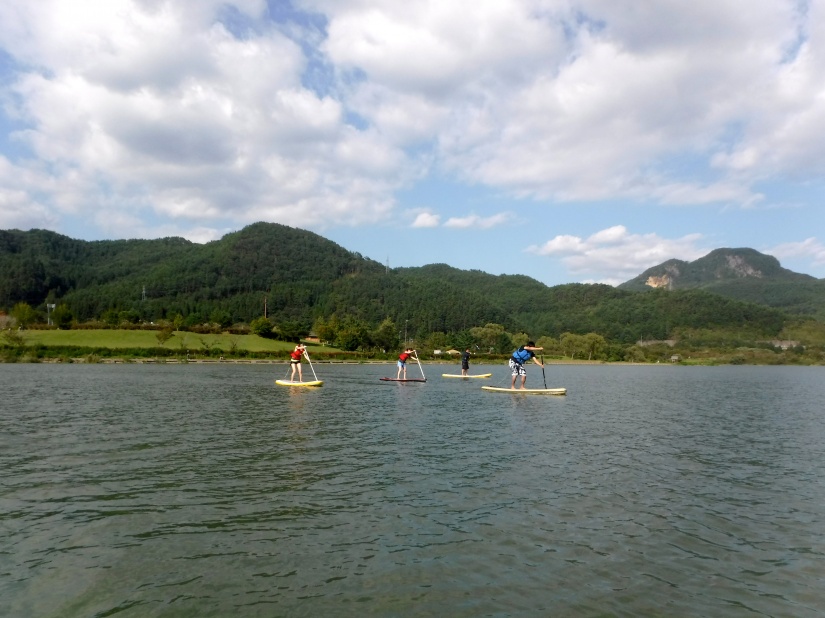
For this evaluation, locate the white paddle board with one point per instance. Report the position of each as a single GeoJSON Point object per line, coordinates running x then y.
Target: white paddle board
{"type": "Point", "coordinates": [458, 375]}
{"type": "Point", "coordinates": [288, 383]}
{"type": "Point", "coordinates": [526, 391]}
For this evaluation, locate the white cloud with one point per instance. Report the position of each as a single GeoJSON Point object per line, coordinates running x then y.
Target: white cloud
{"type": "Point", "coordinates": [19, 208]}
{"type": "Point", "coordinates": [478, 222]}
{"type": "Point", "coordinates": [426, 219]}
{"type": "Point", "coordinates": [119, 224]}
{"type": "Point", "coordinates": [590, 99]}
{"type": "Point", "coordinates": [809, 248]}
{"type": "Point", "coordinates": [18, 211]}
{"type": "Point", "coordinates": [156, 107]}
{"type": "Point", "coordinates": [432, 47]}
{"type": "Point", "coordinates": [614, 255]}
{"type": "Point", "coordinates": [158, 110]}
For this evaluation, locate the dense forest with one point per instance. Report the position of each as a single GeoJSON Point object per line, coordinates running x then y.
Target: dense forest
{"type": "Point", "coordinates": [301, 282]}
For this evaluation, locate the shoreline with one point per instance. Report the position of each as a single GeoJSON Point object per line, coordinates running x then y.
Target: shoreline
{"type": "Point", "coordinates": [263, 361]}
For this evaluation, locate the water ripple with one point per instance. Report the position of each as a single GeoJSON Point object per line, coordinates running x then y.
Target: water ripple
{"type": "Point", "coordinates": [207, 491]}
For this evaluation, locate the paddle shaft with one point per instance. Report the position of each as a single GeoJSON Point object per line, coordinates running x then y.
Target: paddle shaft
{"type": "Point", "coordinates": [542, 370]}
{"type": "Point", "coordinates": [313, 368]}
{"type": "Point", "coordinates": [419, 365]}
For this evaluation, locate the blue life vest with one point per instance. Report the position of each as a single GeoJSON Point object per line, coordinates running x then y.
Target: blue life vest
{"type": "Point", "coordinates": [521, 355]}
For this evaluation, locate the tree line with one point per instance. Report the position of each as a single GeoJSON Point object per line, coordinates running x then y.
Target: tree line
{"type": "Point", "coordinates": [284, 282]}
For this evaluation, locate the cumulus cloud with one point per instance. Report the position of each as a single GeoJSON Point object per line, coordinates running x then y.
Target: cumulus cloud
{"type": "Point", "coordinates": [19, 207]}
{"type": "Point", "coordinates": [808, 248]}
{"type": "Point", "coordinates": [477, 221]}
{"type": "Point", "coordinates": [160, 107]}
{"type": "Point", "coordinates": [426, 219]}
{"type": "Point", "coordinates": [18, 211]}
{"type": "Point", "coordinates": [172, 112]}
{"type": "Point", "coordinates": [591, 99]}
{"type": "Point", "coordinates": [614, 255]}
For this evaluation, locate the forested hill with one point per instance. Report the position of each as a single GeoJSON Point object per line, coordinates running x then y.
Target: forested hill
{"type": "Point", "coordinates": [173, 275]}
{"type": "Point", "coordinates": [303, 277]}
{"type": "Point", "coordinates": [742, 274]}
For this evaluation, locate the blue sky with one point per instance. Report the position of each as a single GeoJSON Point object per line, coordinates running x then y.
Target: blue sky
{"type": "Point", "coordinates": [567, 140]}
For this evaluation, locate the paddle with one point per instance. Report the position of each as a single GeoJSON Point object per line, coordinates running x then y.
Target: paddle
{"type": "Point", "coordinates": [310, 364]}
{"type": "Point", "coordinates": [419, 365]}
{"type": "Point", "coordinates": [542, 371]}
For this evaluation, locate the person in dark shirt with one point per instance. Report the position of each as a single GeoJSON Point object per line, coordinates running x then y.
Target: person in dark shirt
{"type": "Point", "coordinates": [465, 362]}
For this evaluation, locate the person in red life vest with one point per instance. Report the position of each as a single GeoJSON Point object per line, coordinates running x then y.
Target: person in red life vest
{"type": "Point", "coordinates": [295, 361]}
{"type": "Point", "coordinates": [402, 362]}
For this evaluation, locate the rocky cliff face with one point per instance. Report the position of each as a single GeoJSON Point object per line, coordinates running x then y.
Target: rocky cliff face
{"type": "Point", "coordinates": [666, 280]}
{"type": "Point", "coordinates": [659, 282]}
{"type": "Point", "coordinates": [740, 267]}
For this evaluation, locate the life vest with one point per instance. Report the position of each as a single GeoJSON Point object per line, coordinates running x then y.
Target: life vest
{"type": "Point", "coordinates": [296, 354]}
{"type": "Point", "coordinates": [521, 355]}
{"type": "Point", "coordinates": [403, 357]}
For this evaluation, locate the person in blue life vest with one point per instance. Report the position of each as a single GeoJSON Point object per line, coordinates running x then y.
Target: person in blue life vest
{"type": "Point", "coordinates": [402, 362]}
{"type": "Point", "coordinates": [521, 356]}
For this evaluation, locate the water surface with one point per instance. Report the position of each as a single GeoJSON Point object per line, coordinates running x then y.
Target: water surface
{"type": "Point", "coordinates": [206, 490]}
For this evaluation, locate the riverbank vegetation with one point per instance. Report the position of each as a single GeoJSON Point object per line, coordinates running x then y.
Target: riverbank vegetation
{"type": "Point", "coordinates": [489, 343]}
{"type": "Point", "coordinates": [256, 292]}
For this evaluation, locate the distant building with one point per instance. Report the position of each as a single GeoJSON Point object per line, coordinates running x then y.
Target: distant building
{"type": "Point", "coordinates": [675, 359]}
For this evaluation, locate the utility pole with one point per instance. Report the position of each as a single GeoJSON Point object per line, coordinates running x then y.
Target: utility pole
{"type": "Point", "coordinates": [264, 306]}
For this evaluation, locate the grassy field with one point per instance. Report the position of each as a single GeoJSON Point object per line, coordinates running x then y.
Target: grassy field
{"type": "Point", "coordinates": [183, 341]}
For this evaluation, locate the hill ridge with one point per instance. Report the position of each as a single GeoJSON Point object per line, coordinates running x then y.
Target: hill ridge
{"type": "Point", "coordinates": [299, 277]}
{"type": "Point", "coordinates": [741, 274]}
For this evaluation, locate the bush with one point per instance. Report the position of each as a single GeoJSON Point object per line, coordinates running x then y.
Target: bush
{"type": "Point", "coordinates": [262, 327]}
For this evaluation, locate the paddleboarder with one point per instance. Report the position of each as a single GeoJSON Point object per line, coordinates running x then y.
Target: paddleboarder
{"type": "Point", "coordinates": [402, 362]}
{"type": "Point", "coordinates": [295, 361]}
{"type": "Point", "coordinates": [520, 356]}
{"type": "Point", "coordinates": [465, 362]}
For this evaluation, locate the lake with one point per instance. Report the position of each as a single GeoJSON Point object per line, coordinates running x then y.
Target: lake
{"type": "Point", "coordinates": [206, 490]}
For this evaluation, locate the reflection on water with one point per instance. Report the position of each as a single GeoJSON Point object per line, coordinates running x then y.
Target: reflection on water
{"type": "Point", "coordinates": [209, 491]}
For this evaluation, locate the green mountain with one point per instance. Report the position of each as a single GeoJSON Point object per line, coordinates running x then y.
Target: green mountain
{"type": "Point", "coordinates": [172, 275]}
{"type": "Point", "coordinates": [301, 277]}
{"type": "Point", "coordinates": [741, 274]}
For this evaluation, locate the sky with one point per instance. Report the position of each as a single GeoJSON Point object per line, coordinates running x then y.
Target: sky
{"type": "Point", "coordinates": [566, 140]}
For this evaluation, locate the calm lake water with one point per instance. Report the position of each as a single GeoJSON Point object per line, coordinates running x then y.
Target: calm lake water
{"type": "Point", "coordinates": [206, 490]}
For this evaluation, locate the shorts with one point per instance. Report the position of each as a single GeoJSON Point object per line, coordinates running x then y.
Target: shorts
{"type": "Point", "coordinates": [401, 364]}
{"type": "Point", "coordinates": [295, 361]}
{"type": "Point", "coordinates": [517, 368]}
{"type": "Point", "coordinates": [465, 365]}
